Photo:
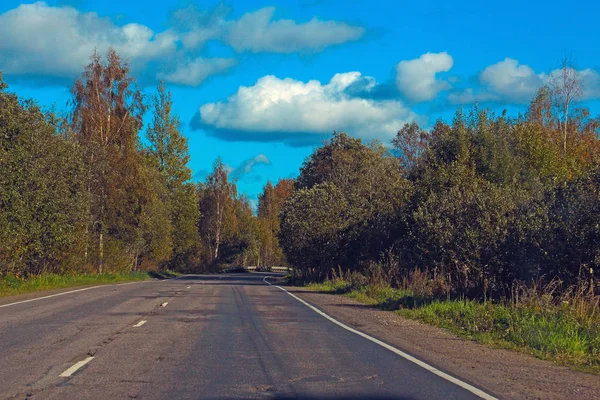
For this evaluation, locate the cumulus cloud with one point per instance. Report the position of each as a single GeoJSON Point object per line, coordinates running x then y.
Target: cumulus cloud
{"type": "Point", "coordinates": [513, 81]}
{"type": "Point", "coordinates": [301, 113]}
{"type": "Point", "coordinates": [36, 39]}
{"type": "Point", "coordinates": [43, 42]}
{"type": "Point", "coordinates": [194, 72]}
{"type": "Point", "coordinates": [258, 32]}
{"type": "Point", "coordinates": [417, 79]}
{"type": "Point", "coordinates": [510, 82]}
{"type": "Point", "coordinates": [247, 166]}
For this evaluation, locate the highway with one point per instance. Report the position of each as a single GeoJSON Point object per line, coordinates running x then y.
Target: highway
{"type": "Point", "coordinates": [230, 336]}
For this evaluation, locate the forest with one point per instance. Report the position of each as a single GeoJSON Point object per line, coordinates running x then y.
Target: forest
{"type": "Point", "coordinates": [475, 207]}
{"type": "Point", "coordinates": [95, 191]}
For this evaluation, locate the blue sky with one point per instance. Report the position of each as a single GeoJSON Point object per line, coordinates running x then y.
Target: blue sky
{"type": "Point", "coordinates": [260, 83]}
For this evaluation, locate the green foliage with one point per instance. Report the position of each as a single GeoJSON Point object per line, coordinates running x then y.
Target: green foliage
{"type": "Point", "coordinates": [84, 194]}
{"type": "Point", "coordinates": [270, 204]}
{"type": "Point", "coordinates": [311, 222]}
{"type": "Point", "coordinates": [485, 202]}
{"type": "Point", "coordinates": [552, 333]}
{"type": "Point", "coordinates": [229, 231]}
{"type": "Point", "coordinates": [42, 198]}
{"type": "Point", "coordinates": [344, 210]}
{"type": "Point", "coordinates": [168, 154]}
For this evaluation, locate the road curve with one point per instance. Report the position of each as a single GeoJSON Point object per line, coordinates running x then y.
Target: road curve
{"type": "Point", "coordinates": [197, 337]}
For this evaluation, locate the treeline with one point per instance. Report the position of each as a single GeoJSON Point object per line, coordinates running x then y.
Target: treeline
{"type": "Point", "coordinates": [231, 234]}
{"type": "Point", "coordinates": [480, 206]}
{"type": "Point", "coordinates": [96, 191]}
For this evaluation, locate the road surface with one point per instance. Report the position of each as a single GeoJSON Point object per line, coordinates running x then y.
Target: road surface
{"type": "Point", "coordinates": [198, 337]}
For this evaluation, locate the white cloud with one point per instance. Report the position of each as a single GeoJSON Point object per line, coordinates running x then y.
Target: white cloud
{"type": "Point", "coordinates": [513, 81]}
{"type": "Point", "coordinates": [417, 79]}
{"type": "Point", "coordinates": [258, 32]}
{"type": "Point", "coordinates": [508, 81]}
{"type": "Point", "coordinates": [193, 73]}
{"type": "Point", "coordinates": [299, 113]}
{"type": "Point", "coordinates": [36, 39]}
{"type": "Point", "coordinates": [39, 41]}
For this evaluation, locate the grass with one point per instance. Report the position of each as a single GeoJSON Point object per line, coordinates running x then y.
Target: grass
{"type": "Point", "coordinates": [13, 284]}
{"type": "Point", "coordinates": [560, 333]}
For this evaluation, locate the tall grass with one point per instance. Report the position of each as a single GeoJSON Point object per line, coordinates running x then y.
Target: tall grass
{"type": "Point", "coordinates": [560, 324]}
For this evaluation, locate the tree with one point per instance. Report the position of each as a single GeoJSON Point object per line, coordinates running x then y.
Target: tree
{"type": "Point", "coordinates": [168, 151]}
{"type": "Point", "coordinates": [167, 145]}
{"type": "Point", "coordinates": [217, 217]}
{"type": "Point", "coordinates": [270, 204]}
{"type": "Point", "coordinates": [410, 143]}
{"type": "Point", "coordinates": [311, 223]}
{"type": "Point", "coordinates": [566, 89]}
{"type": "Point", "coordinates": [106, 118]}
{"type": "Point", "coordinates": [368, 179]}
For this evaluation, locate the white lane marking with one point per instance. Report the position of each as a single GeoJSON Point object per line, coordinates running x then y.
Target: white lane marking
{"type": "Point", "coordinates": [75, 367]}
{"type": "Point", "coordinates": [164, 304]}
{"type": "Point", "coordinates": [142, 322]}
{"type": "Point", "coordinates": [433, 370]}
{"type": "Point", "coordinates": [69, 292]}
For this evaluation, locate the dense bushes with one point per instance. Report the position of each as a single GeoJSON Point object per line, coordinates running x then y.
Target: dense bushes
{"type": "Point", "coordinates": [483, 204]}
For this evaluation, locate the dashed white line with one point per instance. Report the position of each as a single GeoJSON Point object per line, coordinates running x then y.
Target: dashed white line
{"type": "Point", "coordinates": [164, 304]}
{"type": "Point", "coordinates": [70, 371]}
{"type": "Point", "coordinates": [422, 364]}
{"type": "Point", "coordinates": [142, 322]}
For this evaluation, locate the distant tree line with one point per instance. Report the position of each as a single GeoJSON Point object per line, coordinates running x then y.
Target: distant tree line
{"type": "Point", "coordinates": [85, 193]}
{"type": "Point", "coordinates": [479, 205]}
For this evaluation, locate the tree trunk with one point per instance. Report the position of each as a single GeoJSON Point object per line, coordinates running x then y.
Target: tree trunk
{"type": "Point", "coordinates": [101, 252]}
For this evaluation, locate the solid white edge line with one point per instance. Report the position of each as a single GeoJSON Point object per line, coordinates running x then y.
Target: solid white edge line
{"type": "Point", "coordinates": [433, 370]}
{"type": "Point", "coordinates": [69, 292]}
{"type": "Point", "coordinates": [142, 322]}
{"type": "Point", "coordinates": [75, 367]}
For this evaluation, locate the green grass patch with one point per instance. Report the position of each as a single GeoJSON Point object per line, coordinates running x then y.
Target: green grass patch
{"type": "Point", "coordinates": [337, 286]}
{"type": "Point", "coordinates": [555, 333]}
{"type": "Point", "coordinates": [558, 333]}
{"type": "Point", "coordinates": [11, 285]}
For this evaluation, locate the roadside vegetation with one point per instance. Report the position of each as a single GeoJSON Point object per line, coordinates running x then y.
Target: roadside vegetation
{"type": "Point", "coordinates": [488, 224]}
{"type": "Point", "coordinates": [564, 328]}
{"type": "Point", "coordinates": [16, 284]}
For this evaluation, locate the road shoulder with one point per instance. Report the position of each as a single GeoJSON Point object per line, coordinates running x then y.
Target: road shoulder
{"type": "Point", "coordinates": [510, 374]}
{"type": "Point", "coordinates": [41, 294]}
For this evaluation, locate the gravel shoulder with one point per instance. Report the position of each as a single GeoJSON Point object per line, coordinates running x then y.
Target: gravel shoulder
{"type": "Point", "coordinates": [504, 373]}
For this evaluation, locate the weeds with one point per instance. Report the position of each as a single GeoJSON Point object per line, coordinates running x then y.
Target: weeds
{"type": "Point", "coordinates": [547, 321]}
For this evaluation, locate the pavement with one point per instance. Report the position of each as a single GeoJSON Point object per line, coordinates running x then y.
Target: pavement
{"type": "Point", "coordinates": [229, 336]}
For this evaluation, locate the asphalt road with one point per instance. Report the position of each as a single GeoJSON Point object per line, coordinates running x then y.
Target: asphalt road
{"type": "Point", "coordinates": [204, 337]}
